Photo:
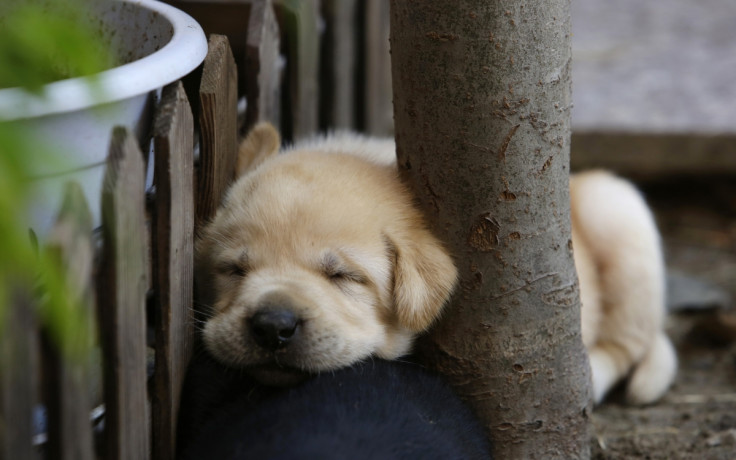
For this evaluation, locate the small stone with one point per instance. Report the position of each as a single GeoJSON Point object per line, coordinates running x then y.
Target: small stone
{"type": "Point", "coordinates": [685, 292]}
{"type": "Point", "coordinates": [723, 438]}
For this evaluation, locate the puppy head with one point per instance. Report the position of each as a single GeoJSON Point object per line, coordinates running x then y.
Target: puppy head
{"type": "Point", "coordinates": [315, 261]}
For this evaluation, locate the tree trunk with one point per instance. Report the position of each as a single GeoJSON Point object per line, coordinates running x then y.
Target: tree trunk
{"type": "Point", "coordinates": [482, 110]}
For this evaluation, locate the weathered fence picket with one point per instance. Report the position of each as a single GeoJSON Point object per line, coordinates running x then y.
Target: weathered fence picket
{"type": "Point", "coordinates": [218, 127]}
{"type": "Point", "coordinates": [173, 229]}
{"type": "Point", "coordinates": [299, 21]}
{"type": "Point", "coordinates": [19, 378]}
{"type": "Point", "coordinates": [222, 17]}
{"type": "Point", "coordinates": [379, 112]}
{"type": "Point", "coordinates": [338, 70]}
{"type": "Point", "coordinates": [68, 379]}
{"type": "Point", "coordinates": [262, 61]}
{"type": "Point", "coordinates": [121, 294]}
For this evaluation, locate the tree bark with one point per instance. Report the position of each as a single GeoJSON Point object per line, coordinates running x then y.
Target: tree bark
{"type": "Point", "coordinates": [482, 104]}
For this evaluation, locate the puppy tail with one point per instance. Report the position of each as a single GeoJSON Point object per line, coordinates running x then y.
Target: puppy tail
{"type": "Point", "coordinates": [654, 374]}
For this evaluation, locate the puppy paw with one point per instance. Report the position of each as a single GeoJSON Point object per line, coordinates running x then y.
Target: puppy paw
{"type": "Point", "coordinates": [654, 374]}
{"type": "Point", "coordinates": [605, 372]}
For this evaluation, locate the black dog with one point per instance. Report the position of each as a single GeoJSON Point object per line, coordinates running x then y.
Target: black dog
{"type": "Point", "coordinates": [373, 410]}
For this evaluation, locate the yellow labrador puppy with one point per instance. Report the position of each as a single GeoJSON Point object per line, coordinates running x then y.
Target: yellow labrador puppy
{"type": "Point", "coordinates": [317, 259]}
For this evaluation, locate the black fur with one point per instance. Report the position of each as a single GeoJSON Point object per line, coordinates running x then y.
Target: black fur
{"type": "Point", "coordinates": [373, 410]}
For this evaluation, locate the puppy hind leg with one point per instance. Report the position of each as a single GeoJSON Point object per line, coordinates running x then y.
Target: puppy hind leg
{"type": "Point", "coordinates": [621, 233]}
{"type": "Point", "coordinates": [654, 374]}
{"type": "Point", "coordinates": [609, 363]}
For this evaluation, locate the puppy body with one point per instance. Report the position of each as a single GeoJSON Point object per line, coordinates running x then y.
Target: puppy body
{"type": "Point", "coordinates": [621, 271]}
{"type": "Point", "coordinates": [328, 234]}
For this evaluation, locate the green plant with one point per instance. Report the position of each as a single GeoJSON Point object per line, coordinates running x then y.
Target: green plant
{"type": "Point", "coordinates": [40, 41]}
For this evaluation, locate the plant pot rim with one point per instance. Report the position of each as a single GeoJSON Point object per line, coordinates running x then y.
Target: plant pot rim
{"type": "Point", "coordinates": [185, 50]}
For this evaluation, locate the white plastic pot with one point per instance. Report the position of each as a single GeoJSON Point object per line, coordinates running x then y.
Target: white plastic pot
{"type": "Point", "coordinates": [157, 44]}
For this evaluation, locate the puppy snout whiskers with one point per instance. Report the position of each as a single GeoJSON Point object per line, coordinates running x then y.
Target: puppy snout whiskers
{"type": "Point", "coordinates": [274, 329]}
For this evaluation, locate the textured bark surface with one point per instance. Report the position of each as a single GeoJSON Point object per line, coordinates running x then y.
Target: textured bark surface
{"type": "Point", "coordinates": [482, 109]}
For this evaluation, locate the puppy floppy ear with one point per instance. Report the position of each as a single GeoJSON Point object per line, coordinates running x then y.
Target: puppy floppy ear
{"type": "Point", "coordinates": [424, 278]}
{"type": "Point", "coordinates": [261, 142]}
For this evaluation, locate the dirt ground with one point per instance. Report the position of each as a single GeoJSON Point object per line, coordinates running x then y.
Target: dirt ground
{"type": "Point", "coordinates": [697, 418]}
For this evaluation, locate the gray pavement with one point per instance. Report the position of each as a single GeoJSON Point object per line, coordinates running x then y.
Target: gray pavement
{"type": "Point", "coordinates": [654, 66]}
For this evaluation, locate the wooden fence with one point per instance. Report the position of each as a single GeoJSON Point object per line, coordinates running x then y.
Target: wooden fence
{"type": "Point", "coordinates": [304, 65]}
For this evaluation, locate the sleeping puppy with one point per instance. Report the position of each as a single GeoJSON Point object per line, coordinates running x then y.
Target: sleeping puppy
{"type": "Point", "coordinates": [374, 409]}
{"type": "Point", "coordinates": [315, 261]}
{"type": "Point", "coordinates": [318, 259]}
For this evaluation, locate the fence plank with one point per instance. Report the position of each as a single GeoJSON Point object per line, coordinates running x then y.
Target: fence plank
{"type": "Point", "coordinates": [173, 265]}
{"type": "Point", "coordinates": [379, 115]}
{"type": "Point", "coordinates": [299, 23]}
{"type": "Point", "coordinates": [338, 70]}
{"type": "Point", "coordinates": [67, 379]}
{"type": "Point", "coordinates": [229, 18]}
{"type": "Point", "coordinates": [18, 378]}
{"type": "Point", "coordinates": [218, 127]}
{"type": "Point", "coordinates": [262, 61]}
{"type": "Point", "coordinates": [122, 300]}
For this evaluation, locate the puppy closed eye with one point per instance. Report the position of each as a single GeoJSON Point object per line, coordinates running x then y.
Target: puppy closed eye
{"type": "Point", "coordinates": [338, 272]}
{"type": "Point", "coordinates": [341, 275]}
{"type": "Point", "coordinates": [233, 269]}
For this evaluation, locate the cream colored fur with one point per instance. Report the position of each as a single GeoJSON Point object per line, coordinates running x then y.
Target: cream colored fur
{"type": "Point", "coordinates": [331, 237]}
{"type": "Point", "coordinates": [328, 231]}
{"type": "Point", "coordinates": [620, 266]}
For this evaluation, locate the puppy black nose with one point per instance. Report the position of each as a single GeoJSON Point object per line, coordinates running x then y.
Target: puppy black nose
{"type": "Point", "coordinates": [274, 329]}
